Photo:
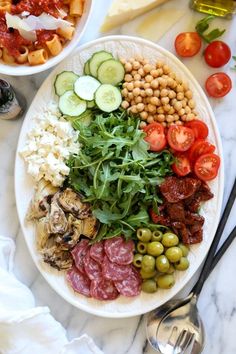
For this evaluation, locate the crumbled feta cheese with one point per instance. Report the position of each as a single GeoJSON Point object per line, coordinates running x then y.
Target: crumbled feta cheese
{"type": "Point", "coordinates": [49, 144]}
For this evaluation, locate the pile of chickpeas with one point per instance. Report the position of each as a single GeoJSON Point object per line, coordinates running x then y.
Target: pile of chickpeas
{"type": "Point", "coordinates": [156, 93]}
{"type": "Point", "coordinates": [157, 257]}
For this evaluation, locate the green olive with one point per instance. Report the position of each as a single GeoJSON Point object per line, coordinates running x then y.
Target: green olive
{"type": "Point", "coordinates": [157, 235]}
{"type": "Point", "coordinates": [149, 286]}
{"type": "Point", "coordinates": [148, 263]}
{"type": "Point", "coordinates": [162, 264]}
{"type": "Point", "coordinates": [182, 264]}
{"type": "Point", "coordinates": [165, 281]}
{"type": "Point", "coordinates": [144, 234]}
{"type": "Point", "coordinates": [137, 260]}
{"type": "Point", "coordinates": [147, 274]}
{"type": "Point", "coordinates": [155, 248]}
{"type": "Point", "coordinates": [142, 247]}
{"type": "Point", "coordinates": [174, 254]}
{"type": "Point", "coordinates": [169, 239]}
{"type": "Point", "coordinates": [171, 269]}
{"type": "Point", "coordinates": [184, 249]}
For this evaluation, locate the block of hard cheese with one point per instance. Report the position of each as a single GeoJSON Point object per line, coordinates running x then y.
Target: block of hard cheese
{"type": "Point", "coordinates": [122, 11]}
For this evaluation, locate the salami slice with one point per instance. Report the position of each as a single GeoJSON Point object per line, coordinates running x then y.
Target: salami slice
{"type": "Point", "coordinates": [91, 267]}
{"type": "Point", "coordinates": [113, 271]}
{"type": "Point", "coordinates": [97, 252]}
{"type": "Point", "coordinates": [78, 253]}
{"type": "Point", "coordinates": [103, 289]}
{"type": "Point", "coordinates": [130, 286]}
{"type": "Point", "coordinates": [79, 281]}
{"type": "Point", "coordinates": [119, 251]}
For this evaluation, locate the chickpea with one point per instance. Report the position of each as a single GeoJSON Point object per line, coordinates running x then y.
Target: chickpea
{"type": "Point", "coordinates": [176, 116]}
{"type": "Point", "coordinates": [144, 115]}
{"type": "Point", "coordinates": [143, 93]}
{"type": "Point", "coordinates": [155, 101]}
{"type": "Point", "coordinates": [173, 101]}
{"type": "Point", "coordinates": [159, 72]}
{"type": "Point", "coordinates": [156, 93]}
{"type": "Point", "coordinates": [141, 72]}
{"type": "Point", "coordinates": [162, 82]}
{"type": "Point", "coordinates": [172, 75]}
{"type": "Point", "coordinates": [133, 109]}
{"type": "Point", "coordinates": [128, 78]}
{"type": "Point", "coordinates": [132, 103]}
{"type": "Point", "coordinates": [166, 69]}
{"type": "Point", "coordinates": [124, 92]}
{"type": "Point", "coordinates": [137, 84]}
{"type": "Point", "coordinates": [155, 84]}
{"type": "Point", "coordinates": [181, 112]}
{"type": "Point", "coordinates": [188, 110]}
{"type": "Point", "coordinates": [138, 99]}
{"type": "Point", "coordinates": [159, 64]}
{"type": "Point", "coordinates": [178, 80]}
{"type": "Point", "coordinates": [130, 96]}
{"type": "Point", "coordinates": [184, 104]}
{"type": "Point", "coordinates": [134, 72]}
{"type": "Point", "coordinates": [147, 68]}
{"type": "Point", "coordinates": [191, 103]}
{"type": "Point", "coordinates": [128, 67]}
{"type": "Point", "coordinates": [179, 88]}
{"type": "Point", "coordinates": [184, 117]}
{"type": "Point", "coordinates": [125, 104]}
{"type": "Point", "coordinates": [169, 118]}
{"type": "Point", "coordinates": [190, 116]}
{"type": "Point", "coordinates": [180, 96]}
{"type": "Point", "coordinates": [164, 124]}
{"type": "Point", "coordinates": [166, 107]}
{"type": "Point", "coordinates": [169, 81]}
{"type": "Point", "coordinates": [154, 73]}
{"type": "Point", "coordinates": [149, 92]}
{"type": "Point", "coordinates": [185, 86]}
{"type": "Point", "coordinates": [125, 84]}
{"type": "Point", "coordinates": [136, 91]}
{"type": "Point", "coordinates": [172, 110]}
{"type": "Point", "coordinates": [150, 119]}
{"type": "Point", "coordinates": [165, 100]}
{"type": "Point", "coordinates": [160, 110]}
{"type": "Point", "coordinates": [189, 94]}
{"type": "Point", "coordinates": [137, 77]}
{"type": "Point", "coordinates": [164, 93]}
{"type": "Point", "coordinates": [146, 85]}
{"type": "Point", "coordinates": [142, 125]}
{"type": "Point", "coordinates": [151, 108]}
{"type": "Point", "coordinates": [178, 122]}
{"type": "Point", "coordinates": [131, 60]}
{"type": "Point", "coordinates": [122, 60]}
{"type": "Point", "coordinates": [136, 65]}
{"type": "Point", "coordinates": [140, 107]}
{"type": "Point", "coordinates": [145, 61]}
{"type": "Point", "coordinates": [149, 78]}
{"type": "Point", "coordinates": [130, 86]}
{"type": "Point", "coordinates": [160, 117]}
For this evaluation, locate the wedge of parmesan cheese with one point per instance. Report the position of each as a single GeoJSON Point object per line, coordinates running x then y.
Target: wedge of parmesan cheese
{"type": "Point", "coordinates": [122, 11]}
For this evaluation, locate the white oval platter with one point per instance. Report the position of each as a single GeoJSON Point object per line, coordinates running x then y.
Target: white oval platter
{"type": "Point", "coordinates": [126, 47]}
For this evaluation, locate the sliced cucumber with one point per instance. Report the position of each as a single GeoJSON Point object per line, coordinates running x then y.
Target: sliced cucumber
{"type": "Point", "coordinates": [86, 68]}
{"type": "Point", "coordinates": [91, 104]}
{"type": "Point", "coordinates": [85, 87]}
{"type": "Point", "coordinates": [65, 82]}
{"type": "Point", "coordinates": [71, 105]}
{"type": "Point", "coordinates": [84, 119]}
{"type": "Point", "coordinates": [108, 98]}
{"type": "Point", "coordinates": [111, 72]}
{"type": "Point", "coordinates": [96, 61]}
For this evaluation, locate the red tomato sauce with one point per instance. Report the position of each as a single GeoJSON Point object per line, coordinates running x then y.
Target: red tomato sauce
{"type": "Point", "coordinates": [37, 7]}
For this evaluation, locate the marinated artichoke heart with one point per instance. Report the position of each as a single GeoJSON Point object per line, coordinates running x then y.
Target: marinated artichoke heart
{"type": "Point", "coordinates": [61, 219]}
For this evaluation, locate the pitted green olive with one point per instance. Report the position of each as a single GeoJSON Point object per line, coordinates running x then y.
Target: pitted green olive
{"type": "Point", "coordinates": [169, 239]}
{"type": "Point", "coordinates": [157, 235]}
{"type": "Point", "coordinates": [182, 264]}
{"type": "Point", "coordinates": [155, 248]}
{"type": "Point", "coordinates": [162, 264]}
{"type": "Point", "coordinates": [137, 260]}
{"type": "Point", "coordinates": [144, 234]}
{"type": "Point", "coordinates": [174, 254]}
{"type": "Point", "coordinates": [147, 274]}
{"type": "Point", "coordinates": [142, 247]}
{"type": "Point", "coordinates": [148, 263]}
{"type": "Point", "coordinates": [184, 249]}
{"type": "Point", "coordinates": [149, 286]}
{"type": "Point", "coordinates": [165, 281]}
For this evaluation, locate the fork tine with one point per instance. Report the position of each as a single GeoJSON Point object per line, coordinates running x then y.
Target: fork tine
{"type": "Point", "coordinates": [179, 340]}
{"type": "Point", "coordinates": [188, 341]}
{"type": "Point", "coordinates": [190, 344]}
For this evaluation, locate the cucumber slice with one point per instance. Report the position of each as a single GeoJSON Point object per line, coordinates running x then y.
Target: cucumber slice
{"type": "Point", "coordinates": [85, 87]}
{"type": "Point", "coordinates": [86, 68]}
{"type": "Point", "coordinates": [111, 72]}
{"type": "Point", "coordinates": [65, 82]}
{"type": "Point", "coordinates": [70, 104]}
{"type": "Point", "coordinates": [108, 98]}
{"type": "Point", "coordinates": [91, 104]}
{"type": "Point", "coordinates": [96, 60]}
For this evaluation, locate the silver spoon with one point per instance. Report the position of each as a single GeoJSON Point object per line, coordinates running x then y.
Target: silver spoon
{"type": "Point", "coordinates": [176, 326]}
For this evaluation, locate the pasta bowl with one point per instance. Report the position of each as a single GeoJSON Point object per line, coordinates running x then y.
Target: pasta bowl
{"type": "Point", "coordinates": [23, 69]}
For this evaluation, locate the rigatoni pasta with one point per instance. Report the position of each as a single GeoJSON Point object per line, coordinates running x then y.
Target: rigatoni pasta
{"type": "Point", "coordinates": [38, 57]}
{"type": "Point", "coordinates": [54, 45]}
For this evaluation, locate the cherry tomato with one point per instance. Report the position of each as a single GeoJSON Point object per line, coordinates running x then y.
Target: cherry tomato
{"type": "Point", "coordinates": [217, 54]}
{"type": "Point", "coordinates": [200, 147]}
{"type": "Point", "coordinates": [187, 44]}
{"type": "Point", "coordinates": [218, 85]}
{"type": "Point", "coordinates": [180, 138]}
{"type": "Point", "coordinates": [206, 167]}
{"type": "Point", "coordinates": [155, 136]}
{"type": "Point", "coordinates": [182, 166]}
{"type": "Point", "coordinates": [199, 128]}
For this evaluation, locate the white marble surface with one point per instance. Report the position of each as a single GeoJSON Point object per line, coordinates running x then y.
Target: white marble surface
{"type": "Point", "coordinates": [217, 303]}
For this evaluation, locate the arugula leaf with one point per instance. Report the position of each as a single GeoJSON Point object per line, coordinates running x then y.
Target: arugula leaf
{"type": "Point", "coordinates": [203, 25]}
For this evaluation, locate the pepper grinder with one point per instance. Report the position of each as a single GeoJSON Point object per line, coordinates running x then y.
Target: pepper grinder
{"type": "Point", "coordinates": [12, 103]}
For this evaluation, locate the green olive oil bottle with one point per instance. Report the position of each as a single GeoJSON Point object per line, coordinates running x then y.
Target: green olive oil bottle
{"type": "Point", "coordinates": [223, 8]}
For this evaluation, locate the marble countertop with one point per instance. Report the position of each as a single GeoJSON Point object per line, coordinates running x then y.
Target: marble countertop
{"type": "Point", "coordinates": [217, 303]}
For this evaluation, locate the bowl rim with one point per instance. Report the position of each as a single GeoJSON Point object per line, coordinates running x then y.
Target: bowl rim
{"type": "Point", "coordinates": [182, 284]}
{"type": "Point", "coordinates": [21, 70]}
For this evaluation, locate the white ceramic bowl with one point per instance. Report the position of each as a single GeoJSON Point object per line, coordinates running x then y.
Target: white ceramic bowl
{"type": "Point", "coordinates": [125, 47]}
{"type": "Point", "coordinates": [23, 70]}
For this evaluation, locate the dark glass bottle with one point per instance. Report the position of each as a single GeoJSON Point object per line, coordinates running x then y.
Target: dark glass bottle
{"type": "Point", "coordinates": [12, 103]}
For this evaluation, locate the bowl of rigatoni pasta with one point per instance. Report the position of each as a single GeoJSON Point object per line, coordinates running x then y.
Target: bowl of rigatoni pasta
{"type": "Point", "coordinates": [36, 35]}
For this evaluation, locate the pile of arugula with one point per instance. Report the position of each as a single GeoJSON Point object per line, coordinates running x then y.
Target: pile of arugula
{"type": "Point", "coordinates": [116, 173]}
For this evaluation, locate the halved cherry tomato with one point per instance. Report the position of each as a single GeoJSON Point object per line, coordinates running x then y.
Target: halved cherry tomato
{"type": "Point", "coordinates": [187, 44]}
{"type": "Point", "coordinates": [218, 85]}
{"type": "Point", "coordinates": [217, 54]}
{"type": "Point", "coordinates": [180, 138]}
{"type": "Point", "coordinates": [155, 136]}
{"type": "Point", "coordinates": [182, 165]}
{"type": "Point", "coordinates": [206, 167]}
{"type": "Point", "coordinates": [200, 147]}
{"type": "Point", "coordinates": [199, 128]}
